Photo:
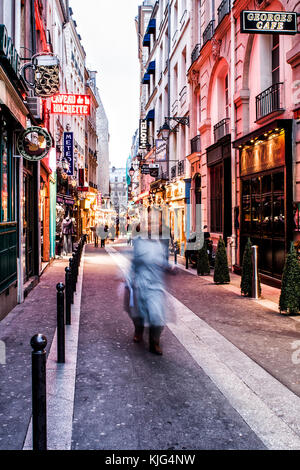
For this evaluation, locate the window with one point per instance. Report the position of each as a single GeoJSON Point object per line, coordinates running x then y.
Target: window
{"type": "Point", "coordinates": [275, 59]}
{"type": "Point", "coordinates": [216, 198]}
{"type": "Point", "coordinates": [226, 97]}
{"type": "Point", "coordinates": [6, 171]}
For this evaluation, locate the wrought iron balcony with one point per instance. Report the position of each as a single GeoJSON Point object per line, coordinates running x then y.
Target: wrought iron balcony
{"type": "Point", "coordinates": [180, 166]}
{"type": "Point", "coordinates": [182, 95]}
{"type": "Point", "coordinates": [223, 10]}
{"type": "Point", "coordinates": [196, 52]}
{"type": "Point", "coordinates": [196, 144]}
{"type": "Point", "coordinates": [183, 19]}
{"type": "Point", "coordinates": [174, 107]}
{"type": "Point", "coordinates": [269, 101]}
{"type": "Point", "coordinates": [173, 171]}
{"type": "Point", "coordinates": [221, 129]}
{"type": "Point", "coordinates": [208, 32]}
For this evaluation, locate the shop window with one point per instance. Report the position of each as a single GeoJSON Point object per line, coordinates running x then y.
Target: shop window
{"type": "Point", "coordinates": [6, 192]}
{"type": "Point", "coordinates": [216, 199]}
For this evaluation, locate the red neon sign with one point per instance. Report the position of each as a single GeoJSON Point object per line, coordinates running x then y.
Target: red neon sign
{"type": "Point", "coordinates": [70, 104]}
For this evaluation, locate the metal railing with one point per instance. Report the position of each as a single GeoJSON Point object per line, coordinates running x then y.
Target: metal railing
{"type": "Point", "coordinates": [221, 129]}
{"type": "Point", "coordinates": [182, 95]}
{"type": "Point", "coordinates": [269, 101]}
{"type": "Point", "coordinates": [223, 10]}
{"type": "Point", "coordinates": [182, 19]}
{"type": "Point", "coordinates": [174, 107]}
{"type": "Point", "coordinates": [180, 167]}
{"type": "Point", "coordinates": [208, 32]}
{"type": "Point", "coordinates": [174, 38]}
{"type": "Point", "coordinates": [173, 171]}
{"type": "Point", "coordinates": [196, 144]}
{"type": "Point", "coordinates": [196, 52]}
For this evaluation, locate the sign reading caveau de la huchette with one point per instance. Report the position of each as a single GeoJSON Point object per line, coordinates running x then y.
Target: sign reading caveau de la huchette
{"type": "Point", "coordinates": [268, 22]}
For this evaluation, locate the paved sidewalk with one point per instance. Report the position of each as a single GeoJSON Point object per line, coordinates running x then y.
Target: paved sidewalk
{"type": "Point", "coordinates": [36, 315]}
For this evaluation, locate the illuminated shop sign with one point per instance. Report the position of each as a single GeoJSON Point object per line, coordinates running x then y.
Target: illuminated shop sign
{"type": "Point", "coordinates": [268, 22]}
{"type": "Point", "coordinates": [71, 104]}
{"type": "Point", "coordinates": [8, 52]}
{"type": "Point", "coordinates": [143, 141]}
{"type": "Point", "coordinates": [34, 143]}
{"type": "Point", "coordinates": [69, 152]}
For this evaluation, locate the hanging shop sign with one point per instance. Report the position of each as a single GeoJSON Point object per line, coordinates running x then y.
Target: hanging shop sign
{"type": "Point", "coordinates": [269, 22]}
{"type": "Point", "coordinates": [70, 104]}
{"type": "Point", "coordinates": [34, 143]}
{"type": "Point", "coordinates": [45, 68]}
{"type": "Point", "coordinates": [160, 150]}
{"type": "Point", "coordinates": [143, 136]}
{"type": "Point", "coordinates": [69, 152]}
{"type": "Point", "coordinates": [8, 52]}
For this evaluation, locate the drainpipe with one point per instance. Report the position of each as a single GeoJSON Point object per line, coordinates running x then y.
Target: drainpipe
{"type": "Point", "coordinates": [33, 29]}
{"type": "Point", "coordinates": [232, 124]}
{"type": "Point", "coordinates": [169, 84]}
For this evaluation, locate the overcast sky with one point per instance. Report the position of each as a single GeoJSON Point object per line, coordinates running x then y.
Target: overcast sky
{"type": "Point", "coordinates": [108, 33]}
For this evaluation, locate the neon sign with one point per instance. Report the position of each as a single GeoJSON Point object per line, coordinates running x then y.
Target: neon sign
{"type": "Point", "coordinates": [70, 104]}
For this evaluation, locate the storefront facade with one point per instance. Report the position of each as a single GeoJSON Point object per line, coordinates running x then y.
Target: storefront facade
{"type": "Point", "coordinates": [266, 194]}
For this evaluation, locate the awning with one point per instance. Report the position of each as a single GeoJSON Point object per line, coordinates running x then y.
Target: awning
{"type": "Point", "coordinates": [146, 40]}
{"type": "Point", "coordinates": [151, 26]}
{"type": "Point", "coordinates": [151, 67]}
{"type": "Point", "coordinates": [151, 115]}
{"type": "Point", "coordinates": [146, 78]}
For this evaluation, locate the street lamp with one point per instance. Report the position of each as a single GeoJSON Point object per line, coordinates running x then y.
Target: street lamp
{"type": "Point", "coordinates": [131, 171]}
{"type": "Point", "coordinates": [165, 130]}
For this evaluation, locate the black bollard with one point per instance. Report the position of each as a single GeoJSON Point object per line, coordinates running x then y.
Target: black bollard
{"type": "Point", "coordinates": [68, 295]}
{"type": "Point", "coordinates": [60, 323]}
{"type": "Point", "coordinates": [72, 279]}
{"type": "Point", "coordinates": [39, 405]}
{"type": "Point", "coordinates": [75, 270]}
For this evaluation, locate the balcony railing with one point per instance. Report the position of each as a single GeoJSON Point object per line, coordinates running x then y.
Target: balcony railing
{"type": "Point", "coordinates": [174, 38]}
{"type": "Point", "coordinates": [221, 129]}
{"type": "Point", "coordinates": [196, 144]}
{"type": "Point", "coordinates": [208, 32]}
{"type": "Point", "coordinates": [269, 101]}
{"type": "Point", "coordinates": [174, 107]}
{"type": "Point", "coordinates": [223, 10]}
{"type": "Point", "coordinates": [182, 95]}
{"type": "Point", "coordinates": [180, 167]}
{"type": "Point", "coordinates": [183, 19]}
{"type": "Point", "coordinates": [196, 52]}
{"type": "Point", "coordinates": [173, 171]}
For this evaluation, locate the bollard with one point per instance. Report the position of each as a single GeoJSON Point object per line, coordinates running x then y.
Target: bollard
{"type": "Point", "coordinates": [175, 252]}
{"type": "Point", "coordinates": [186, 261]}
{"type": "Point", "coordinates": [68, 295]}
{"type": "Point", "coordinates": [60, 323]}
{"type": "Point", "coordinates": [75, 271]}
{"type": "Point", "coordinates": [255, 278]}
{"type": "Point", "coordinates": [39, 405]}
{"type": "Point", "coordinates": [72, 279]}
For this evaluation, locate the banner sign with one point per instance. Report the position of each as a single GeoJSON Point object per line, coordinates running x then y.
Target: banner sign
{"type": "Point", "coordinates": [81, 177]}
{"type": "Point", "coordinates": [160, 150]}
{"type": "Point", "coordinates": [34, 143]}
{"type": "Point", "coordinates": [69, 152]}
{"type": "Point", "coordinates": [70, 104]}
{"type": "Point", "coordinates": [143, 140]}
{"type": "Point", "coordinates": [268, 22]}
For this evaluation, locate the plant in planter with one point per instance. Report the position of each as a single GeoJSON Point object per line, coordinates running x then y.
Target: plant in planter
{"type": "Point", "coordinates": [221, 273]}
{"type": "Point", "coordinates": [203, 266]}
{"type": "Point", "coordinates": [290, 285]}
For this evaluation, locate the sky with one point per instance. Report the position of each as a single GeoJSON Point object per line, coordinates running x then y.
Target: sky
{"type": "Point", "coordinates": [108, 33]}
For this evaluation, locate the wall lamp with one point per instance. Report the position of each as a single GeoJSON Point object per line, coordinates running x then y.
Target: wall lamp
{"type": "Point", "coordinates": [165, 130]}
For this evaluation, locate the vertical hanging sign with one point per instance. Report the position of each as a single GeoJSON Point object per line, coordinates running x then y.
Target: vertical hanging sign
{"type": "Point", "coordinates": [69, 152]}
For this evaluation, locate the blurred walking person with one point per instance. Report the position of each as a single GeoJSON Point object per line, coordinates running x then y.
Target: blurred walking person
{"type": "Point", "coordinates": [146, 291]}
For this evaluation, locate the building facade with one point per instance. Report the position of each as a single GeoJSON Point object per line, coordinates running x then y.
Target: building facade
{"type": "Point", "coordinates": [246, 168]}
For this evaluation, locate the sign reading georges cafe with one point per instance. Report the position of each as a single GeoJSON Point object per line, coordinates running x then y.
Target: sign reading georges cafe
{"type": "Point", "coordinates": [70, 104]}
{"type": "Point", "coordinates": [269, 22]}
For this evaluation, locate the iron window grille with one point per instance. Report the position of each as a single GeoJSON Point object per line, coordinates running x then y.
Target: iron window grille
{"type": "Point", "coordinates": [221, 129]}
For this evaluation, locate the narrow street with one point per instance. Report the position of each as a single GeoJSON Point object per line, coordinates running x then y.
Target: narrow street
{"type": "Point", "coordinates": [226, 379]}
